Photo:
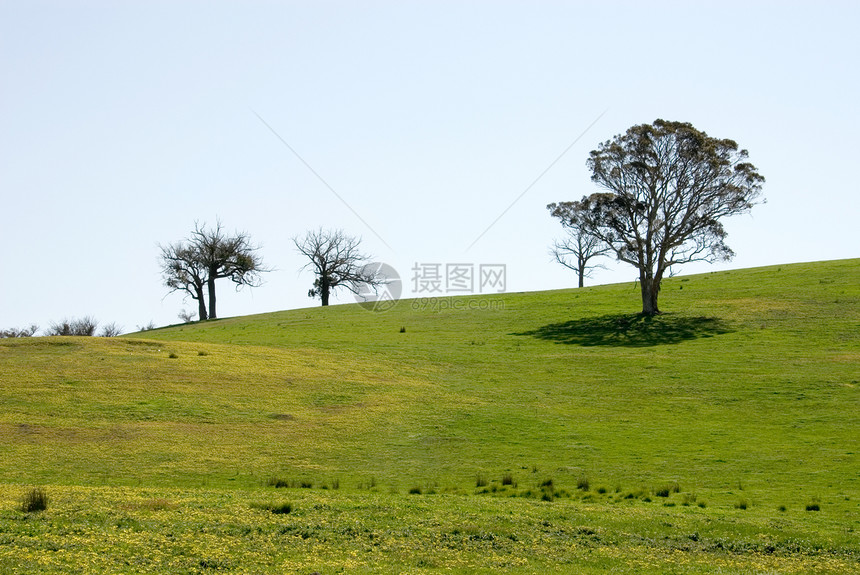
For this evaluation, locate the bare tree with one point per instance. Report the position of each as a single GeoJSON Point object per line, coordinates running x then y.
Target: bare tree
{"type": "Point", "coordinates": [208, 255]}
{"type": "Point", "coordinates": [183, 270]}
{"type": "Point", "coordinates": [577, 248]}
{"type": "Point", "coordinates": [667, 186]}
{"type": "Point", "coordinates": [226, 256]}
{"type": "Point", "coordinates": [337, 262]}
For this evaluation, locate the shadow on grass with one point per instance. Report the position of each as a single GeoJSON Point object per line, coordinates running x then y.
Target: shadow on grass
{"type": "Point", "coordinates": [630, 330]}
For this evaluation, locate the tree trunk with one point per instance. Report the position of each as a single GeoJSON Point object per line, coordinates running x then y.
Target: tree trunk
{"type": "Point", "coordinates": [324, 290]}
{"type": "Point", "coordinates": [210, 284]}
{"type": "Point", "coordinates": [650, 290]}
{"type": "Point", "coordinates": [201, 304]}
{"type": "Point", "coordinates": [582, 262]}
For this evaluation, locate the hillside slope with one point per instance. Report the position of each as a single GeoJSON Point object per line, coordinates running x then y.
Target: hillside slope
{"type": "Point", "coordinates": [748, 382]}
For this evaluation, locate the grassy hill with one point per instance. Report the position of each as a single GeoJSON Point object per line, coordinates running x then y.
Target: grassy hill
{"type": "Point", "coordinates": [740, 405]}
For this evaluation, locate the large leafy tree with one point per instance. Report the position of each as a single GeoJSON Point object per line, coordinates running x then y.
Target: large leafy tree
{"type": "Point", "coordinates": [207, 255]}
{"type": "Point", "coordinates": [667, 186]}
{"type": "Point", "coordinates": [337, 262]}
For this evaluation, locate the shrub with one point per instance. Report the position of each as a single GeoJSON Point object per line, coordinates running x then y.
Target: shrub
{"type": "Point", "coordinates": [187, 316]}
{"type": "Point", "coordinates": [813, 507]}
{"type": "Point", "coordinates": [172, 355]}
{"type": "Point", "coordinates": [110, 330]}
{"type": "Point", "coordinates": [582, 483]}
{"type": "Point", "coordinates": [508, 479]}
{"type": "Point", "coordinates": [742, 504]}
{"type": "Point", "coordinates": [415, 490]}
{"type": "Point", "coordinates": [83, 327]}
{"type": "Point", "coordinates": [14, 332]}
{"type": "Point", "coordinates": [34, 500]}
{"type": "Point", "coordinates": [480, 481]}
{"type": "Point", "coordinates": [403, 330]}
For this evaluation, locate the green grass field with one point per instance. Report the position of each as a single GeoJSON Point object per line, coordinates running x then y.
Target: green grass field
{"type": "Point", "coordinates": [525, 433]}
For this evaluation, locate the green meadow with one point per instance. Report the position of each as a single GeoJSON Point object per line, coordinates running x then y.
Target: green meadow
{"type": "Point", "coordinates": [522, 432]}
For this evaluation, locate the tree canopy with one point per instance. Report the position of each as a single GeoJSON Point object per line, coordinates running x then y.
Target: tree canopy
{"type": "Point", "coordinates": [667, 185]}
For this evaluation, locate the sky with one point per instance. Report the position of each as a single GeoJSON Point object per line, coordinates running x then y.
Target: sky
{"type": "Point", "coordinates": [436, 131]}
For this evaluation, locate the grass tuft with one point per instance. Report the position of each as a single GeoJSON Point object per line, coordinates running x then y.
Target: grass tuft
{"type": "Point", "coordinates": [667, 489]}
{"type": "Point", "coordinates": [34, 500]}
{"type": "Point", "coordinates": [276, 508]}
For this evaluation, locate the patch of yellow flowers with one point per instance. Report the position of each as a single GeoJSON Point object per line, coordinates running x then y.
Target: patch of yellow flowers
{"type": "Point", "coordinates": [128, 530]}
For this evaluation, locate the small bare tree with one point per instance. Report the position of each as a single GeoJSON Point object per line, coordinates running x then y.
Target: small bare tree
{"type": "Point", "coordinates": [336, 260]}
{"type": "Point", "coordinates": [578, 247]}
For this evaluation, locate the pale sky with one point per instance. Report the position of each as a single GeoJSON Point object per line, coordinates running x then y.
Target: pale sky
{"type": "Point", "coordinates": [123, 123]}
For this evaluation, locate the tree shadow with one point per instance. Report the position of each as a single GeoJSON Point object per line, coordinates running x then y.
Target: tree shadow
{"type": "Point", "coordinates": [630, 330]}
